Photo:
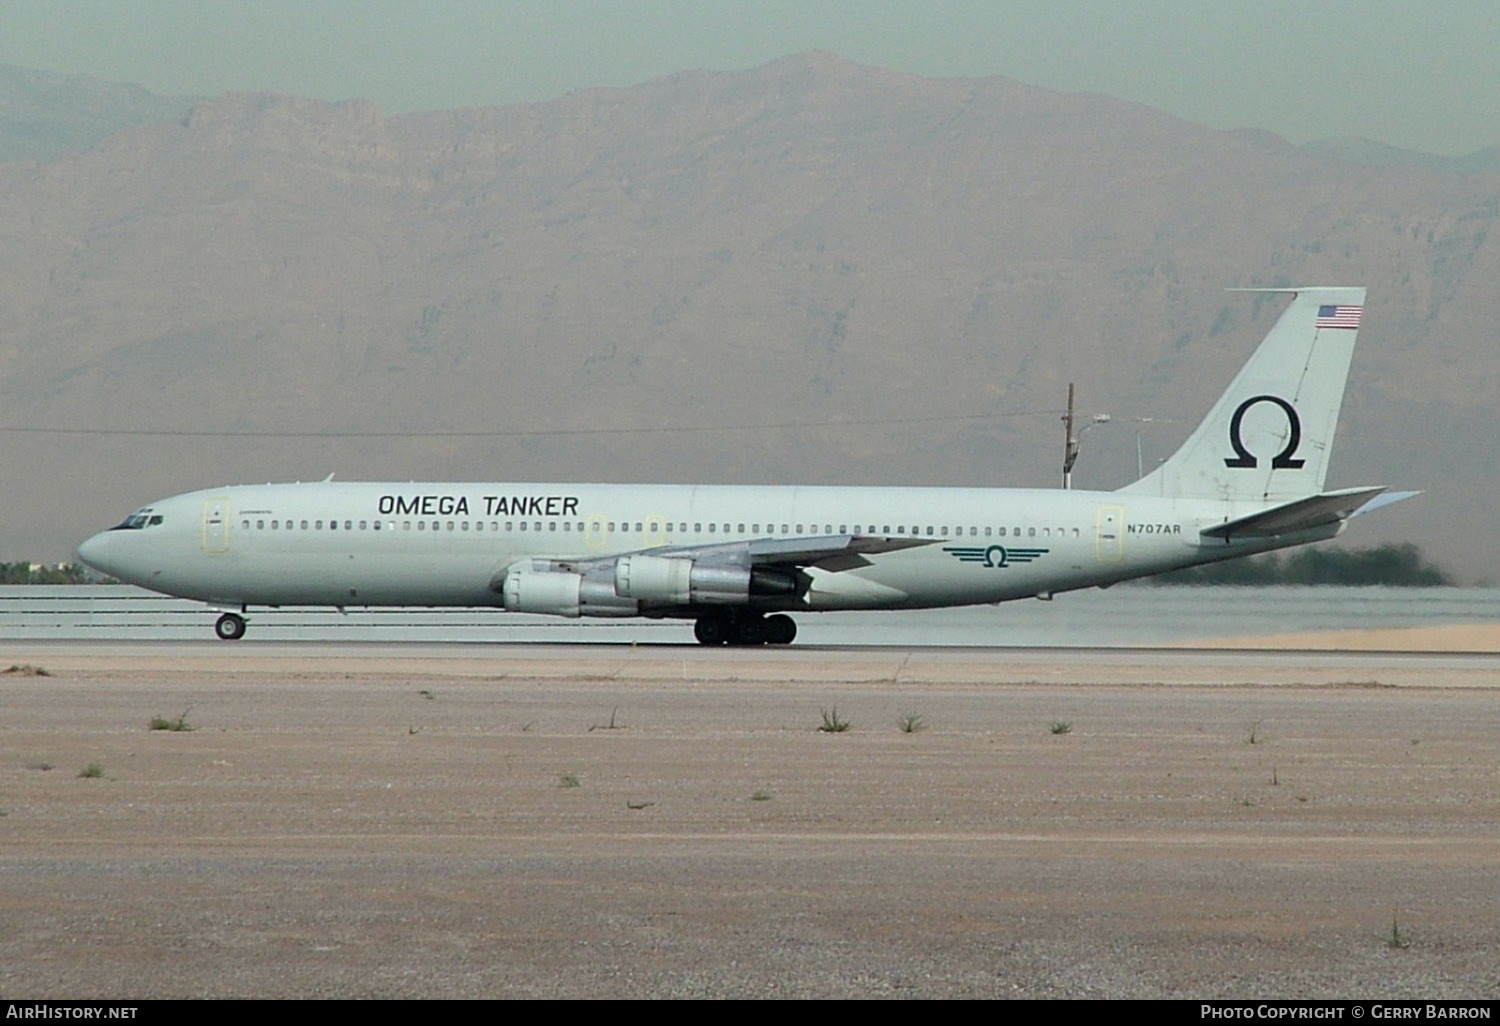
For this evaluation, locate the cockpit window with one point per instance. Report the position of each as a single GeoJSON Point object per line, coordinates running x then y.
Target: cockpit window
{"type": "Point", "coordinates": [138, 521]}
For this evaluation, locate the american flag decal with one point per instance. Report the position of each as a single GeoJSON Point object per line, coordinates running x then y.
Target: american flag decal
{"type": "Point", "coordinates": [1338, 317]}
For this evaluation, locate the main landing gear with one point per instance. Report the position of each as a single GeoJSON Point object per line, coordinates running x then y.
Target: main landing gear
{"type": "Point", "coordinates": [230, 627]}
{"type": "Point", "coordinates": [779, 629]}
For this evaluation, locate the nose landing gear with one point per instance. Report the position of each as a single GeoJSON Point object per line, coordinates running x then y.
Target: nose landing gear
{"type": "Point", "coordinates": [230, 627]}
{"type": "Point", "coordinates": [779, 629]}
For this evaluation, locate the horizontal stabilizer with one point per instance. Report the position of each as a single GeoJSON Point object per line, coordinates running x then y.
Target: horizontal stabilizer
{"type": "Point", "coordinates": [1301, 515]}
{"type": "Point", "coordinates": [1388, 499]}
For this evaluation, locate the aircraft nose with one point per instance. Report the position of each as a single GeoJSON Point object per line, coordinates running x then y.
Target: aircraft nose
{"type": "Point", "coordinates": [101, 553]}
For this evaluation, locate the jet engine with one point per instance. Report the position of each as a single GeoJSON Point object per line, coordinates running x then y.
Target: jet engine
{"type": "Point", "coordinates": [674, 580]}
{"type": "Point", "coordinates": [560, 593]}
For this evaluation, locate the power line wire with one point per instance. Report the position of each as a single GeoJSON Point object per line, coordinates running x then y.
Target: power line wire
{"type": "Point", "coordinates": [559, 432]}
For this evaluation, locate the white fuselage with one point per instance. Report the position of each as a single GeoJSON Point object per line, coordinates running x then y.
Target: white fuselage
{"type": "Point", "coordinates": [423, 544]}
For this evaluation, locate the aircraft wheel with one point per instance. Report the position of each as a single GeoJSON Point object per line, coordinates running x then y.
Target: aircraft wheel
{"type": "Point", "coordinates": [712, 630]}
{"type": "Point", "coordinates": [230, 627]}
{"type": "Point", "coordinates": [751, 632]}
{"type": "Point", "coordinates": [780, 629]}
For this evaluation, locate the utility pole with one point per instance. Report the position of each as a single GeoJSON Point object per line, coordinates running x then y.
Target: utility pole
{"type": "Point", "coordinates": [1070, 443]}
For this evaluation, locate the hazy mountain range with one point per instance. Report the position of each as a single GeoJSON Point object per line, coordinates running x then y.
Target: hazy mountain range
{"type": "Point", "coordinates": [812, 271]}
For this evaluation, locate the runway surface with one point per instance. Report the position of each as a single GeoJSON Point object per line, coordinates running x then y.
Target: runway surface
{"type": "Point", "coordinates": [578, 821]}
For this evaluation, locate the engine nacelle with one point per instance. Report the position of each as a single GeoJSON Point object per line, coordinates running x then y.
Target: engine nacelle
{"type": "Point", "coordinates": [673, 580]}
{"type": "Point", "coordinates": [559, 593]}
{"type": "Point", "coordinates": [532, 591]}
{"type": "Point", "coordinates": [654, 579]}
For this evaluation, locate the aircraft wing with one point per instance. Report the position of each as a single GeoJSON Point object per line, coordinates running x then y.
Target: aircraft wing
{"type": "Point", "coordinates": [833, 553]}
{"type": "Point", "coordinates": [1300, 515]}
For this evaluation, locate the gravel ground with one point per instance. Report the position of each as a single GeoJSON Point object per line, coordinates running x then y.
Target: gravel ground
{"type": "Point", "coordinates": [579, 824]}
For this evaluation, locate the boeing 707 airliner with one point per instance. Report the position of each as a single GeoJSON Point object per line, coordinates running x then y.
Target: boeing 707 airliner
{"type": "Point", "coordinates": [737, 560]}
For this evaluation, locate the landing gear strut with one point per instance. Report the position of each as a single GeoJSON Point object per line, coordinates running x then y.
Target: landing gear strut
{"type": "Point", "coordinates": [779, 629]}
{"type": "Point", "coordinates": [230, 627]}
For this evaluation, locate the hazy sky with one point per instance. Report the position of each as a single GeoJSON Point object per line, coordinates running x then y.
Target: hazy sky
{"type": "Point", "coordinates": [1423, 74]}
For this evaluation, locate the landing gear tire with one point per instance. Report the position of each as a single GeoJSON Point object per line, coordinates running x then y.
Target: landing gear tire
{"type": "Point", "coordinates": [712, 630]}
{"type": "Point", "coordinates": [755, 630]}
{"type": "Point", "coordinates": [780, 629]}
{"type": "Point", "coordinates": [750, 632]}
{"type": "Point", "coordinates": [230, 627]}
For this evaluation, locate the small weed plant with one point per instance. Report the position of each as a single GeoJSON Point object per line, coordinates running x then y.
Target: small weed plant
{"type": "Point", "coordinates": [833, 723]}
{"type": "Point", "coordinates": [180, 724]}
{"type": "Point", "coordinates": [26, 670]}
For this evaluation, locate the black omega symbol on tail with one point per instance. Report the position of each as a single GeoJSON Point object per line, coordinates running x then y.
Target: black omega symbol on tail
{"type": "Point", "coordinates": [1282, 460]}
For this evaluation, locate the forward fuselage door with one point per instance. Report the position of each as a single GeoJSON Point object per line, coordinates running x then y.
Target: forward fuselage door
{"type": "Point", "coordinates": [216, 525]}
{"type": "Point", "coordinates": [1109, 534]}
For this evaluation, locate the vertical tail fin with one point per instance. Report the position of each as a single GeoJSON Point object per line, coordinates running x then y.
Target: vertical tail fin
{"type": "Point", "coordinates": [1269, 436]}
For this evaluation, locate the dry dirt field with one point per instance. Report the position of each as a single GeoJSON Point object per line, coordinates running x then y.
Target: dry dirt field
{"type": "Point", "coordinates": [410, 821]}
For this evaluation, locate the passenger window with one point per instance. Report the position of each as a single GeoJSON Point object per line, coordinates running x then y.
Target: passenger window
{"type": "Point", "coordinates": [552, 525]}
{"type": "Point", "coordinates": [260, 525]}
{"type": "Point", "coordinates": [465, 525]}
{"type": "Point", "coordinates": [245, 525]}
{"type": "Point", "coordinates": [376, 525]}
{"type": "Point", "coordinates": [523, 525]}
{"type": "Point", "coordinates": [1031, 532]}
{"type": "Point", "coordinates": [712, 528]}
